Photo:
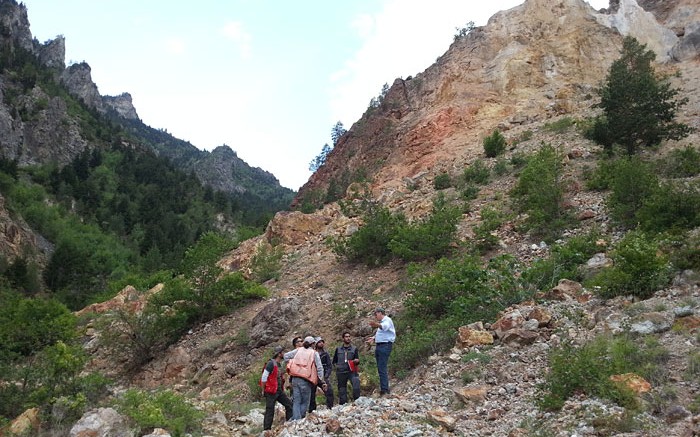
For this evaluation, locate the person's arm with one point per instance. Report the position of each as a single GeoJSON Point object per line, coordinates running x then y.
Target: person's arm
{"type": "Point", "coordinates": [319, 367]}
{"type": "Point", "coordinates": [335, 357]}
{"type": "Point", "coordinates": [327, 366]}
{"type": "Point", "coordinates": [289, 355]}
{"type": "Point", "coordinates": [269, 367]}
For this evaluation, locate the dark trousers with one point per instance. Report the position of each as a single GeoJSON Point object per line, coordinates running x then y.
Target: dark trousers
{"type": "Point", "coordinates": [381, 353]}
{"type": "Point", "coordinates": [328, 393]}
{"type": "Point", "coordinates": [343, 379]}
{"type": "Point", "coordinates": [270, 400]}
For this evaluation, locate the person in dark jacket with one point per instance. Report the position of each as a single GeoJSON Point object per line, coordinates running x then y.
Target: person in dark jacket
{"type": "Point", "coordinates": [327, 369]}
{"type": "Point", "coordinates": [346, 359]}
{"type": "Point", "coordinates": [273, 389]}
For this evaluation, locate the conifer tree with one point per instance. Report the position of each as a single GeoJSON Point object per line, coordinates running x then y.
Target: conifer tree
{"type": "Point", "coordinates": [639, 105]}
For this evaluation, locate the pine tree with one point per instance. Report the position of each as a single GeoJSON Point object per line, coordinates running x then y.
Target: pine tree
{"type": "Point", "coordinates": [639, 105]}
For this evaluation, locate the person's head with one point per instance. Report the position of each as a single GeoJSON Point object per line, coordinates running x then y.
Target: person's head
{"type": "Point", "coordinates": [297, 342]}
{"type": "Point", "coordinates": [277, 352]}
{"type": "Point", "coordinates": [347, 337]}
{"type": "Point", "coordinates": [309, 342]}
{"type": "Point", "coordinates": [320, 343]}
{"type": "Point", "coordinates": [379, 313]}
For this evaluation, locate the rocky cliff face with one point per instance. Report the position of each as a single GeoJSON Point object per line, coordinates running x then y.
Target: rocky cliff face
{"type": "Point", "coordinates": [48, 133]}
{"type": "Point", "coordinates": [535, 61]}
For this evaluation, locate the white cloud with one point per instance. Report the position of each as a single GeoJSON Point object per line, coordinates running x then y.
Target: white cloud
{"type": "Point", "coordinates": [235, 31]}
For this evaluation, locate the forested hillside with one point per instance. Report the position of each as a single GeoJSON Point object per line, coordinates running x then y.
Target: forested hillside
{"type": "Point", "coordinates": [91, 201]}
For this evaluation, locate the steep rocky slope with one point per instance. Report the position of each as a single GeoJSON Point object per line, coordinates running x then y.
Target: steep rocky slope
{"type": "Point", "coordinates": [39, 126]}
{"type": "Point", "coordinates": [530, 66]}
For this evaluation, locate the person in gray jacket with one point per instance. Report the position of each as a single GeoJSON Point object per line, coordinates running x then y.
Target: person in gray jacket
{"type": "Point", "coordinates": [304, 388]}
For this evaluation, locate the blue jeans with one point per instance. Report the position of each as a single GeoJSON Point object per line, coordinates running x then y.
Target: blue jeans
{"type": "Point", "coordinates": [302, 397]}
{"type": "Point", "coordinates": [381, 353]}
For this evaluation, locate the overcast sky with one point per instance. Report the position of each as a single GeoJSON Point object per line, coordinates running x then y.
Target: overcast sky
{"type": "Point", "coordinates": [269, 78]}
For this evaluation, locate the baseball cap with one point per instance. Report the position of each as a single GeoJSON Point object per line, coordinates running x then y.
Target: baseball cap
{"type": "Point", "coordinates": [310, 340]}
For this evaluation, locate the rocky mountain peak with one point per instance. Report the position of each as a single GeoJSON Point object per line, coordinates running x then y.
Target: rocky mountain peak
{"type": "Point", "coordinates": [14, 25]}
{"type": "Point", "coordinates": [53, 53]}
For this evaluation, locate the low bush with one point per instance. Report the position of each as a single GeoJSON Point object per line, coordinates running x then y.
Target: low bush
{"type": "Point", "coordinates": [370, 244]}
{"type": "Point", "coordinates": [428, 238]}
{"type": "Point", "coordinates": [450, 294]}
{"type": "Point", "coordinates": [385, 235]}
{"type": "Point", "coordinates": [161, 409]}
{"type": "Point", "coordinates": [484, 237]}
{"type": "Point", "coordinates": [500, 167]}
{"type": "Point", "coordinates": [52, 374]}
{"type": "Point", "coordinates": [559, 126]}
{"type": "Point", "coordinates": [494, 144]}
{"type": "Point", "coordinates": [639, 269]}
{"type": "Point", "coordinates": [685, 252]}
{"type": "Point", "coordinates": [540, 194]}
{"type": "Point", "coordinates": [563, 263]}
{"type": "Point", "coordinates": [671, 206]}
{"type": "Point", "coordinates": [442, 181]}
{"type": "Point", "coordinates": [266, 263]}
{"type": "Point", "coordinates": [632, 183]}
{"type": "Point", "coordinates": [682, 163]}
{"type": "Point", "coordinates": [587, 369]}
{"type": "Point", "coordinates": [477, 173]}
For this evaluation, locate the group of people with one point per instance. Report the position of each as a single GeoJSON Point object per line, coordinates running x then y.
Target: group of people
{"type": "Point", "coordinates": [309, 366]}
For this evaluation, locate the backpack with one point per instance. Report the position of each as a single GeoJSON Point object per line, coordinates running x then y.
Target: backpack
{"type": "Point", "coordinates": [303, 365]}
{"type": "Point", "coordinates": [271, 385]}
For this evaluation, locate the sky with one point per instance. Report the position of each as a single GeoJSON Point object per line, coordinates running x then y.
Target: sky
{"type": "Point", "coordinates": [268, 78]}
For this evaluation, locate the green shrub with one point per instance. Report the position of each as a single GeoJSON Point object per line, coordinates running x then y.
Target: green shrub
{"type": "Point", "coordinates": [161, 409]}
{"type": "Point", "coordinates": [540, 193]}
{"type": "Point", "coordinates": [450, 294]}
{"type": "Point", "coordinates": [601, 178]}
{"type": "Point", "coordinates": [429, 238]}
{"type": "Point", "coordinates": [477, 173]}
{"type": "Point", "coordinates": [370, 243]}
{"type": "Point", "coordinates": [500, 167]}
{"type": "Point", "coordinates": [563, 263]}
{"type": "Point", "coordinates": [469, 192]}
{"type": "Point", "coordinates": [638, 268]}
{"type": "Point", "coordinates": [138, 337]}
{"type": "Point", "coordinates": [671, 206]}
{"type": "Point", "coordinates": [491, 220]}
{"type": "Point", "coordinates": [27, 325]}
{"type": "Point", "coordinates": [686, 253]}
{"type": "Point", "coordinates": [55, 372]}
{"type": "Point", "coordinates": [442, 181]}
{"type": "Point", "coordinates": [632, 183]}
{"type": "Point", "coordinates": [494, 144]}
{"type": "Point", "coordinates": [587, 369]}
{"type": "Point", "coordinates": [559, 126]}
{"type": "Point", "coordinates": [519, 160]}
{"type": "Point", "coordinates": [266, 263]}
{"type": "Point", "coordinates": [682, 163]}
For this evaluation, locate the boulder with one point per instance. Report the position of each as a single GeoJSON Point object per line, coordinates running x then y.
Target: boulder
{"type": "Point", "coordinates": [102, 422]}
{"type": "Point", "coordinates": [275, 320]}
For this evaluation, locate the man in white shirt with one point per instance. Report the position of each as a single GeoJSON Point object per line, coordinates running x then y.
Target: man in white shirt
{"type": "Point", "coordinates": [384, 341]}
